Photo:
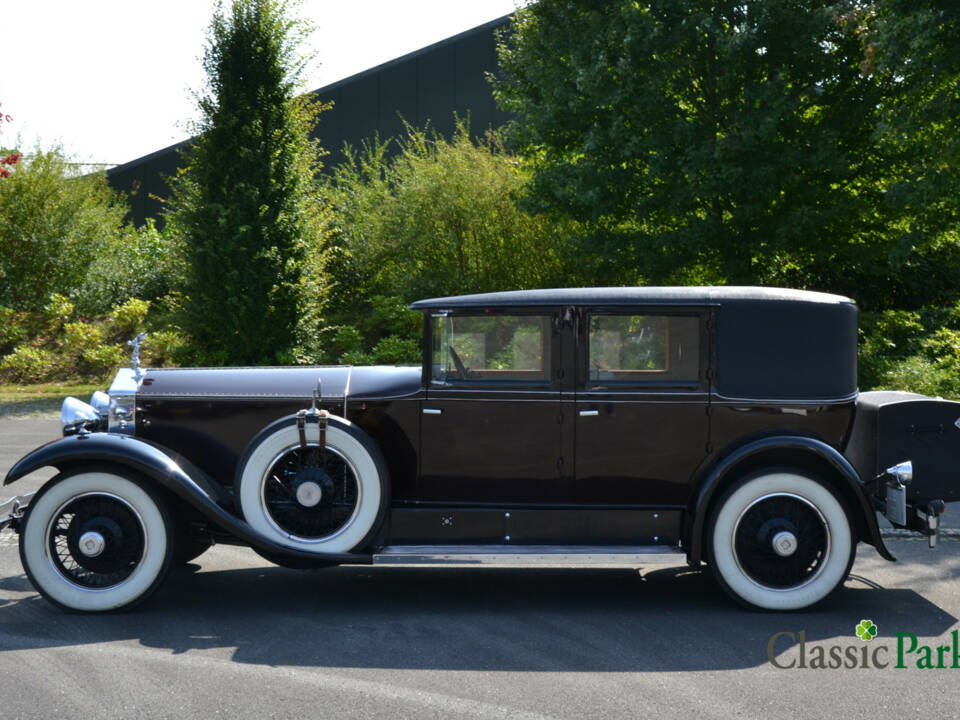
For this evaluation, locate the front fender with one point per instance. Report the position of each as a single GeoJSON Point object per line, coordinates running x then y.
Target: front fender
{"type": "Point", "coordinates": [806, 444]}
{"type": "Point", "coordinates": [178, 477]}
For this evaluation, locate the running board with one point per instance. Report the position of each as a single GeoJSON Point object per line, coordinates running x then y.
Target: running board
{"type": "Point", "coordinates": [542, 555]}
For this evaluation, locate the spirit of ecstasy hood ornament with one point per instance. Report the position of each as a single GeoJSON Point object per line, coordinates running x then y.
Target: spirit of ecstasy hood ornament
{"type": "Point", "coordinates": [135, 357]}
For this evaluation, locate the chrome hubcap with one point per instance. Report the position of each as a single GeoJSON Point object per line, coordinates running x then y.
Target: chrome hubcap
{"type": "Point", "coordinates": [784, 543]}
{"type": "Point", "coordinates": [91, 544]}
{"type": "Point", "coordinates": [309, 494]}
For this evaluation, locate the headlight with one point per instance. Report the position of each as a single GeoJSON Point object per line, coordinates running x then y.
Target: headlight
{"type": "Point", "coordinates": [123, 402]}
{"type": "Point", "coordinates": [76, 415]}
{"type": "Point", "coordinates": [100, 401]}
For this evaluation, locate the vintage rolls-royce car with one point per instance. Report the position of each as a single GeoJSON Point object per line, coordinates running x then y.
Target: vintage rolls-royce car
{"type": "Point", "coordinates": [629, 426]}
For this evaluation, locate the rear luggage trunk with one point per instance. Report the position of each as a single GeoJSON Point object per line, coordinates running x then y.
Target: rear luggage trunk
{"type": "Point", "coordinates": [893, 427]}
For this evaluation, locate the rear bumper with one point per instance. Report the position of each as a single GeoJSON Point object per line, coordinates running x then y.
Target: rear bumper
{"type": "Point", "coordinates": [12, 510]}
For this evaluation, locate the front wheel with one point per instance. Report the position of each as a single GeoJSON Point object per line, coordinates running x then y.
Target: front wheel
{"type": "Point", "coordinates": [779, 540]}
{"type": "Point", "coordinates": [96, 540]}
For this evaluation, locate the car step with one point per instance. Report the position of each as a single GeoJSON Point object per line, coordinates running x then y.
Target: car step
{"type": "Point", "coordinates": [542, 555]}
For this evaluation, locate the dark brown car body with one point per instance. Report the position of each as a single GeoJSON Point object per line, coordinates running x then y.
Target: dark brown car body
{"type": "Point", "coordinates": [768, 379]}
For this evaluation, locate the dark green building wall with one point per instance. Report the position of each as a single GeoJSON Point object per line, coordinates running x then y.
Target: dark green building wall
{"type": "Point", "coordinates": [426, 86]}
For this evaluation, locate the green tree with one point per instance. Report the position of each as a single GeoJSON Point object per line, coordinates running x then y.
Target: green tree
{"type": "Point", "coordinates": [437, 217]}
{"type": "Point", "coordinates": [52, 225]}
{"type": "Point", "coordinates": [243, 205]}
{"type": "Point", "coordinates": [915, 46]}
{"type": "Point", "coordinates": [728, 142]}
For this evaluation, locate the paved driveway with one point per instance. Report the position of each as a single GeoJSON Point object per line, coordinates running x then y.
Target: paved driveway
{"type": "Point", "coordinates": [234, 637]}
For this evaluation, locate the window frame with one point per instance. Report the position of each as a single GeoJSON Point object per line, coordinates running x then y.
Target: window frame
{"type": "Point", "coordinates": [649, 380]}
{"type": "Point", "coordinates": [551, 345]}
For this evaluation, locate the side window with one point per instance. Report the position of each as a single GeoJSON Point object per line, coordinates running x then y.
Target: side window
{"type": "Point", "coordinates": [643, 348]}
{"type": "Point", "coordinates": [491, 348]}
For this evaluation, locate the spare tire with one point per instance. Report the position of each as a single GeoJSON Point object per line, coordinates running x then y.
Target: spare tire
{"type": "Point", "coordinates": [329, 501]}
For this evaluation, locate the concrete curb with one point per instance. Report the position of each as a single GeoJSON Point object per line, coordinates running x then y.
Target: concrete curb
{"type": "Point", "coordinates": [898, 534]}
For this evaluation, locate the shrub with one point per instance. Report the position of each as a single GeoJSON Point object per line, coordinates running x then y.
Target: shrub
{"type": "Point", "coordinates": [28, 364]}
{"type": "Point", "coordinates": [129, 318]}
{"type": "Point", "coordinates": [438, 217]}
{"type": "Point", "coordinates": [52, 224]}
{"type": "Point", "coordinates": [164, 348]}
{"type": "Point", "coordinates": [57, 312]}
{"type": "Point", "coordinates": [391, 350]}
{"type": "Point", "coordinates": [918, 351]}
{"type": "Point", "coordinates": [14, 328]}
{"type": "Point", "coordinates": [87, 352]}
{"type": "Point", "coordinates": [143, 263]}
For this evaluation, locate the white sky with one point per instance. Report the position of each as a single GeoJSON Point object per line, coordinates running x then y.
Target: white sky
{"type": "Point", "coordinates": [111, 79]}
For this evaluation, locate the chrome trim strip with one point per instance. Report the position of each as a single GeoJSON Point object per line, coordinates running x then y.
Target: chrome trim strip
{"type": "Point", "coordinates": [346, 389]}
{"type": "Point", "coordinates": [432, 411]}
{"type": "Point", "coordinates": [542, 555]}
{"type": "Point", "coordinates": [717, 397]}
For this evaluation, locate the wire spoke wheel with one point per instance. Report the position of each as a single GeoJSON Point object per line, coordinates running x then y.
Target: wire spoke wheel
{"type": "Point", "coordinates": [96, 540]}
{"type": "Point", "coordinates": [784, 516]}
{"type": "Point", "coordinates": [308, 496]}
{"type": "Point", "coordinates": [319, 501]}
{"type": "Point", "coordinates": [780, 540]}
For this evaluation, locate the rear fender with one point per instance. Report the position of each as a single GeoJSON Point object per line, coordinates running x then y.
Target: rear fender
{"type": "Point", "coordinates": [176, 475]}
{"type": "Point", "coordinates": [863, 508]}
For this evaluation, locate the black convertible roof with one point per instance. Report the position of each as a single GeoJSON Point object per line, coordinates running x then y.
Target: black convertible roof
{"type": "Point", "coordinates": [611, 296]}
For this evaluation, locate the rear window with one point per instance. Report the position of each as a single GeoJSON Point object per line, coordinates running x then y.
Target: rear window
{"type": "Point", "coordinates": [643, 348]}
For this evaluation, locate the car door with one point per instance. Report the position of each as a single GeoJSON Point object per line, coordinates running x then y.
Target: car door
{"type": "Point", "coordinates": [641, 405]}
{"type": "Point", "coordinates": [490, 425]}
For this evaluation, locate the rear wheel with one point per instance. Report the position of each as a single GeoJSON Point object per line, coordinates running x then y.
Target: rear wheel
{"type": "Point", "coordinates": [780, 541]}
{"type": "Point", "coordinates": [96, 540]}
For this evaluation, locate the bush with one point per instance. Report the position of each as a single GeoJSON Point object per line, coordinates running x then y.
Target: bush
{"type": "Point", "coordinates": [87, 353]}
{"type": "Point", "coordinates": [28, 364]}
{"type": "Point", "coordinates": [144, 263]}
{"type": "Point", "coordinates": [918, 351]}
{"type": "Point", "coordinates": [439, 217]}
{"type": "Point", "coordinates": [55, 344]}
{"type": "Point", "coordinates": [52, 225]}
{"type": "Point", "coordinates": [164, 348]}
{"type": "Point", "coordinates": [391, 350]}
{"type": "Point", "coordinates": [129, 318]}
{"type": "Point", "coordinates": [57, 312]}
{"type": "Point", "coordinates": [14, 328]}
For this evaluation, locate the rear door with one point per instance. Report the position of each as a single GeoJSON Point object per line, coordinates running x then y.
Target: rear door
{"type": "Point", "coordinates": [641, 405]}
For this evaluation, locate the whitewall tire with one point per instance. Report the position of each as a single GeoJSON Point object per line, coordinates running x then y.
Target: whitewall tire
{"type": "Point", "coordinates": [780, 540]}
{"type": "Point", "coordinates": [329, 502]}
{"type": "Point", "coordinates": [96, 540]}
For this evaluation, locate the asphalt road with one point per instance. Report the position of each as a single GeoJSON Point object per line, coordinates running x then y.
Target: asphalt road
{"type": "Point", "coordinates": [232, 636]}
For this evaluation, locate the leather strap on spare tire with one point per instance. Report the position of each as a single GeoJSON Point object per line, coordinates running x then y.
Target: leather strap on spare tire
{"type": "Point", "coordinates": [314, 482]}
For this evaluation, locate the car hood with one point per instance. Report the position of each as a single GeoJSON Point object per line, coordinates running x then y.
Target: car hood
{"type": "Point", "coordinates": [281, 382]}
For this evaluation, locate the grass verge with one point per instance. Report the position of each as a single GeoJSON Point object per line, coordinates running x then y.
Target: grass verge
{"type": "Point", "coordinates": [41, 399]}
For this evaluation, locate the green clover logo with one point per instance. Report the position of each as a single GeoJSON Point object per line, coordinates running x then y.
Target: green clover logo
{"type": "Point", "coordinates": [866, 630]}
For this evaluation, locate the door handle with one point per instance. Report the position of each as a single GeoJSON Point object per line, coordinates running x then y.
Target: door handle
{"type": "Point", "coordinates": [589, 413]}
{"type": "Point", "coordinates": [432, 411]}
